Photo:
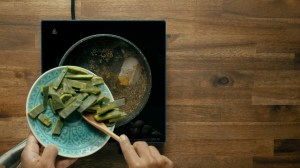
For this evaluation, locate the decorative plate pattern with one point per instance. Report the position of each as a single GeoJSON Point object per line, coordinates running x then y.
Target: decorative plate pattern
{"type": "Point", "coordinates": [78, 138]}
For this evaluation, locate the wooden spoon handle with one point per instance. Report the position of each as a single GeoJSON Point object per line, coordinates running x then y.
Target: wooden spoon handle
{"type": "Point", "coordinates": [103, 127]}
{"type": "Point", "coordinates": [110, 133]}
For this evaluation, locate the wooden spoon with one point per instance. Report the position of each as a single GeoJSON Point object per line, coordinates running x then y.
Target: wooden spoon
{"type": "Point", "coordinates": [101, 126]}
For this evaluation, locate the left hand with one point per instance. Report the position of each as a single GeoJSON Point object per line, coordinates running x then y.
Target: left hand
{"type": "Point", "coordinates": [31, 157]}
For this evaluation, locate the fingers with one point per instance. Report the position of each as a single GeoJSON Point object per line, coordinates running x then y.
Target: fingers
{"type": "Point", "coordinates": [31, 155]}
{"type": "Point", "coordinates": [32, 144]}
{"type": "Point", "coordinates": [31, 138]}
{"type": "Point", "coordinates": [154, 152]}
{"type": "Point", "coordinates": [161, 160]}
{"type": "Point", "coordinates": [143, 151]}
{"type": "Point", "coordinates": [31, 149]}
{"type": "Point", "coordinates": [128, 150]}
{"type": "Point", "coordinates": [169, 163]}
{"type": "Point", "coordinates": [49, 156]}
{"type": "Point", "coordinates": [65, 162]}
{"type": "Point", "coordinates": [141, 155]}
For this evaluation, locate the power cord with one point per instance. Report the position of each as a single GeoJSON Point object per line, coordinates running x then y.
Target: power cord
{"type": "Point", "coordinates": [73, 9]}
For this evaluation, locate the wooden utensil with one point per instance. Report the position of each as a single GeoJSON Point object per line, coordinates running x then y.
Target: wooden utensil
{"type": "Point", "coordinates": [101, 126]}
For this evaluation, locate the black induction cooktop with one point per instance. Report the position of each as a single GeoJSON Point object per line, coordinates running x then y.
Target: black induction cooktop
{"type": "Point", "coordinates": [149, 36]}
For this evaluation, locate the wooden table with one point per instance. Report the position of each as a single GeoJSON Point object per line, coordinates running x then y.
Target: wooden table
{"type": "Point", "coordinates": [233, 76]}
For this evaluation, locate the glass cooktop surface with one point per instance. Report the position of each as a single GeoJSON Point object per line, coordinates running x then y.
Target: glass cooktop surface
{"type": "Point", "coordinates": [149, 36]}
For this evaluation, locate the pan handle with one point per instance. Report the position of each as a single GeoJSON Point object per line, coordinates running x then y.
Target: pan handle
{"type": "Point", "coordinates": [12, 158]}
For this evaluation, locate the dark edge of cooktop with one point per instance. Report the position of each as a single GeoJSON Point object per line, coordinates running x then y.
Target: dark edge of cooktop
{"type": "Point", "coordinates": [157, 144]}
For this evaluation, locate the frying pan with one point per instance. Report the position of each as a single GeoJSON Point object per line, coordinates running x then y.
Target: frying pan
{"type": "Point", "coordinates": [120, 63]}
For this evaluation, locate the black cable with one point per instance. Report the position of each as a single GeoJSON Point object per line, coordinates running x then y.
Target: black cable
{"type": "Point", "coordinates": [73, 9]}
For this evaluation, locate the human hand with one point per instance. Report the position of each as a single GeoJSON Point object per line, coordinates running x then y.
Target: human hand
{"type": "Point", "coordinates": [140, 155]}
{"type": "Point", "coordinates": [31, 158]}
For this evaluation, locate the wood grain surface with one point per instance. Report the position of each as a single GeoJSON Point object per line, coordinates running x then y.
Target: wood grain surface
{"type": "Point", "coordinates": [233, 76]}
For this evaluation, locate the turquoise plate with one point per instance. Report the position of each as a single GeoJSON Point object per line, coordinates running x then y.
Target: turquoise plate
{"type": "Point", "coordinates": [78, 138]}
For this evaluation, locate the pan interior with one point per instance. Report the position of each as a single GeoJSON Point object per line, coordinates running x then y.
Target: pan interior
{"type": "Point", "coordinates": [105, 55]}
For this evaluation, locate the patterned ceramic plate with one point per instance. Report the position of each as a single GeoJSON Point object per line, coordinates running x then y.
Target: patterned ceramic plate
{"type": "Point", "coordinates": [78, 138]}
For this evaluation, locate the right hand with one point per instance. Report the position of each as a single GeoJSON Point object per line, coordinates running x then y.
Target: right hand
{"type": "Point", "coordinates": [140, 155]}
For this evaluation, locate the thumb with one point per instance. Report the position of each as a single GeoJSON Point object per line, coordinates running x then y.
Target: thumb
{"type": "Point", "coordinates": [49, 156]}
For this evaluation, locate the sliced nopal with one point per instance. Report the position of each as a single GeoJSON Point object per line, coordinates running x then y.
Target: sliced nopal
{"type": "Point", "coordinates": [99, 99]}
{"type": "Point", "coordinates": [102, 99]}
{"type": "Point", "coordinates": [123, 115]}
{"type": "Point", "coordinates": [82, 96]}
{"type": "Point", "coordinates": [45, 95]}
{"type": "Point", "coordinates": [94, 107]}
{"type": "Point", "coordinates": [64, 113]}
{"type": "Point", "coordinates": [87, 103]}
{"type": "Point", "coordinates": [65, 97]}
{"type": "Point", "coordinates": [51, 106]}
{"type": "Point", "coordinates": [114, 114]}
{"type": "Point", "coordinates": [111, 106]}
{"type": "Point", "coordinates": [44, 119]}
{"type": "Point", "coordinates": [119, 102]}
{"type": "Point", "coordinates": [60, 78]}
{"type": "Point", "coordinates": [57, 126]}
{"type": "Point", "coordinates": [105, 109]}
{"type": "Point", "coordinates": [71, 100]}
{"type": "Point", "coordinates": [97, 80]}
{"type": "Point", "coordinates": [83, 77]}
{"type": "Point", "coordinates": [51, 91]}
{"type": "Point", "coordinates": [36, 110]}
{"type": "Point", "coordinates": [67, 89]}
{"type": "Point", "coordinates": [57, 103]}
{"type": "Point", "coordinates": [77, 70]}
{"type": "Point", "coordinates": [76, 84]}
{"type": "Point", "coordinates": [93, 90]}
{"type": "Point", "coordinates": [105, 99]}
